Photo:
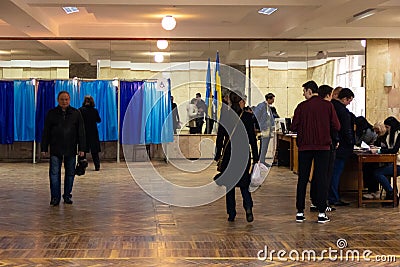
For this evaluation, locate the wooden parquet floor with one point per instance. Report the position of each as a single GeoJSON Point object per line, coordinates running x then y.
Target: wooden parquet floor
{"type": "Point", "coordinates": [112, 222]}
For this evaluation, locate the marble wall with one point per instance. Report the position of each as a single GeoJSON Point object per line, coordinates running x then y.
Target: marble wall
{"type": "Point", "coordinates": [382, 55]}
{"type": "Point", "coordinates": [38, 73]}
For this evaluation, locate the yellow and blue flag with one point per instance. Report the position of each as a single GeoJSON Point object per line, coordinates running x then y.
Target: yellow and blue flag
{"type": "Point", "coordinates": [218, 90]}
{"type": "Point", "coordinates": [209, 97]}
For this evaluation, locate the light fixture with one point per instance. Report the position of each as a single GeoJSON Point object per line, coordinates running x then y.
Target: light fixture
{"type": "Point", "coordinates": [168, 22]}
{"type": "Point", "coordinates": [363, 43]}
{"type": "Point", "coordinates": [75, 81]}
{"type": "Point", "coordinates": [158, 57]}
{"type": "Point", "coordinates": [162, 44]}
{"type": "Point", "coordinates": [70, 9]}
{"type": "Point", "coordinates": [281, 53]}
{"type": "Point", "coordinates": [363, 14]}
{"type": "Point", "coordinates": [267, 10]}
{"type": "Point", "coordinates": [320, 55]}
{"type": "Point", "coordinates": [388, 79]}
{"type": "Point", "coordinates": [115, 82]}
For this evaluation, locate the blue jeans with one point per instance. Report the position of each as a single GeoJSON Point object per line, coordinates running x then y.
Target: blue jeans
{"type": "Point", "coordinates": [381, 173]}
{"type": "Point", "coordinates": [55, 176]}
{"type": "Point", "coordinates": [264, 148]}
{"type": "Point", "coordinates": [338, 167]}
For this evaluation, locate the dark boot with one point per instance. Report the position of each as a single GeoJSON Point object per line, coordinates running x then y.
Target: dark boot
{"type": "Point", "coordinates": [249, 215]}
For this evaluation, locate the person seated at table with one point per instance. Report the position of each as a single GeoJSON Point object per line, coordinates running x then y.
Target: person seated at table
{"type": "Point", "coordinates": [364, 131]}
{"type": "Point", "coordinates": [393, 144]}
{"type": "Point", "coordinates": [368, 169]}
{"type": "Point", "coordinates": [380, 130]}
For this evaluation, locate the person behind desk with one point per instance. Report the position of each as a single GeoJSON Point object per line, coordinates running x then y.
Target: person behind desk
{"type": "Point", "coordinates": [364, 131]}
{"type": "Point", "coordinates": [201, 107]}
{"type": "Point", "coordinates": [368, 169]}
{"type": "Point", "coordinates": [192, 112]}
{"type": "Point", "coordinates": [393, 144]}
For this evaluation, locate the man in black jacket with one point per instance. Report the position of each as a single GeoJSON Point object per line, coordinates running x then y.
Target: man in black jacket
{"type": "Point", "coordinates": [63, 131]}
{"type": "Point", "coordinates": [346, 143]}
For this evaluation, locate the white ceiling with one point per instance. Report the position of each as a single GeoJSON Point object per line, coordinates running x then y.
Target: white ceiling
{"type": "Point", "coordinates": [197, 21]}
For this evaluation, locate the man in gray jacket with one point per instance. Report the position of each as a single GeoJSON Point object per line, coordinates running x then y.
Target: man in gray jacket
{"type": "Point", "coordinates": [266, 122]}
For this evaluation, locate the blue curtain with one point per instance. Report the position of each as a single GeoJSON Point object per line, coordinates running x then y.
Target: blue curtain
{"type": "Point", "coordinates": [131, 94]}
{"type": "Point", "coordinates": [24, 111]}
{"type": "Point", "coordinates": [155, 119]}
{"type": "Point", "coordinates": [44, 102]}
{"type": "Point", "coordinates": [104, 95]}
{"type": "Point", "coordinates": [71, 88]}
{"type": "Point", "coordinates": [6, 112]}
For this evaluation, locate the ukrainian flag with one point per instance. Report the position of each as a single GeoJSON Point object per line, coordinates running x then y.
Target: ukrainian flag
{"type": "Point", "coordinates": [217, 91]}
{"type": "Point", "coordinates": [209, 97]}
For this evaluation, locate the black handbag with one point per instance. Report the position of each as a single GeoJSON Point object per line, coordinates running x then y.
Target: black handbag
{"type": "Point", "coordinates": [81, 166]}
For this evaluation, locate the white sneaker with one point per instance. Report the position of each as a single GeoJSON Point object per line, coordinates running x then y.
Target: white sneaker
{"type": "Point", "coordinates": [369, 196]}
{"type": "Point", "coordinates": [323, 218]}
{"type": "Point", "coordinates": [376, 195]}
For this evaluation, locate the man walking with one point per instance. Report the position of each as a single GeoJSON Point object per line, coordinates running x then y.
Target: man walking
{"type": "Point", "coordinates": [313, 120]}
{"type": "Point", "coordinates": [63, 131]}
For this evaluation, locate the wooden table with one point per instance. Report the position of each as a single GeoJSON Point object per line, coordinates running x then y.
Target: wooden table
{"type": "Point", "coordinates": [366, 157]}
{"type": "Point", "coordinates": [285, 143]}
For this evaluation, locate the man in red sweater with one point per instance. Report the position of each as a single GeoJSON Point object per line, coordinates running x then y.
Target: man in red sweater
{"type": "Point", "coordinates": [313, 121]}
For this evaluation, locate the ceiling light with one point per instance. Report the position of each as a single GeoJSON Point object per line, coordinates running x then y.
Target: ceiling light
{"type": "Point", "coordinates": [267, 10]}
{"type": "Point", "coordinates": [162, 44]}
{"type": "Point", "coordinates": [363, 14]}
{"type": "Point", "coordinates": [168, 23]}
{"type": "Point", "coordinates": [320, 55]}
{"type": "Point", "coordinates": [158, 57]}
{"type": "Point", "coordinates": [70, 9]}
{"type": "Point", "coordinates": [280, 53]}
{"type": "Point", "coordinates": [363, 43]}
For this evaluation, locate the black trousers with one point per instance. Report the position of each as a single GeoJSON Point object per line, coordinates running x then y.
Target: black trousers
{"type": "Point", "coordinates": [209, 126]}
{"type": "Point", "coordinates": [96, 159]}
{"type": "Point", "coordinates": [313, 189]}
{"type": "Point", "coordinates": [231, 201]}
{"type": "Point", "coordinates": [321, 163]}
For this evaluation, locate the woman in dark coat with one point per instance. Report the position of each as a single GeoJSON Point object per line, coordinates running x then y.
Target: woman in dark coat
{"type": "Point", "coordinates": [236, 127]}
{"type": "Point", "coordinates": [91, 118]}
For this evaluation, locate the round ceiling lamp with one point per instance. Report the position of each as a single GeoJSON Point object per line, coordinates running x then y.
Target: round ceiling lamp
{"type": "Point", "coordinates": [162, 44]}
{"type": "Point", "coordinates": [158, 57]}
{"type": "Point", "coordinates": [168, 23]}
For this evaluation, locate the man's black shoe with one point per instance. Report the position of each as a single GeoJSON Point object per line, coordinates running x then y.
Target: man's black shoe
{"type": "Point", "coordinates": [340, 203]}
{"type": "Point", "coordinates": [54, 201]}
{"type": "Point", "coordinates": [249, 215]}
{"type": "Point", "coordinates": [67, 200]}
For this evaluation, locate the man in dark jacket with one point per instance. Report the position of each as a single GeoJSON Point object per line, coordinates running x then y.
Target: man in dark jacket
{"type": "Point", "coordinates": [313, 121]}
{"type": "Point", "coordinates": [346, 143]}
{"type": "Point", "coordinates": [63, 131]}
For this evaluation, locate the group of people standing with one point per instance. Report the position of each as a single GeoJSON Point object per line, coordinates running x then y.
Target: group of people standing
{"type": "Point", "coordinates": [326, 134]}
{"type": "Point", "coordinates": [69, 131]}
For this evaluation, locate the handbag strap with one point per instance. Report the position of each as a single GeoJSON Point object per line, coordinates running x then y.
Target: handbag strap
{"type": "Point", "coordinates": [233, 131]}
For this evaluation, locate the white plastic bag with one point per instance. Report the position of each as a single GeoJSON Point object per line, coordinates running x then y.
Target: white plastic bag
{"type": "Point", "coordinates": [257, 178]}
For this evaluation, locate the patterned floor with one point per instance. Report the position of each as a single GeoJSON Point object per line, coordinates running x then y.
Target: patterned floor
{"type": "Point", "coordinates": [114, 222]}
